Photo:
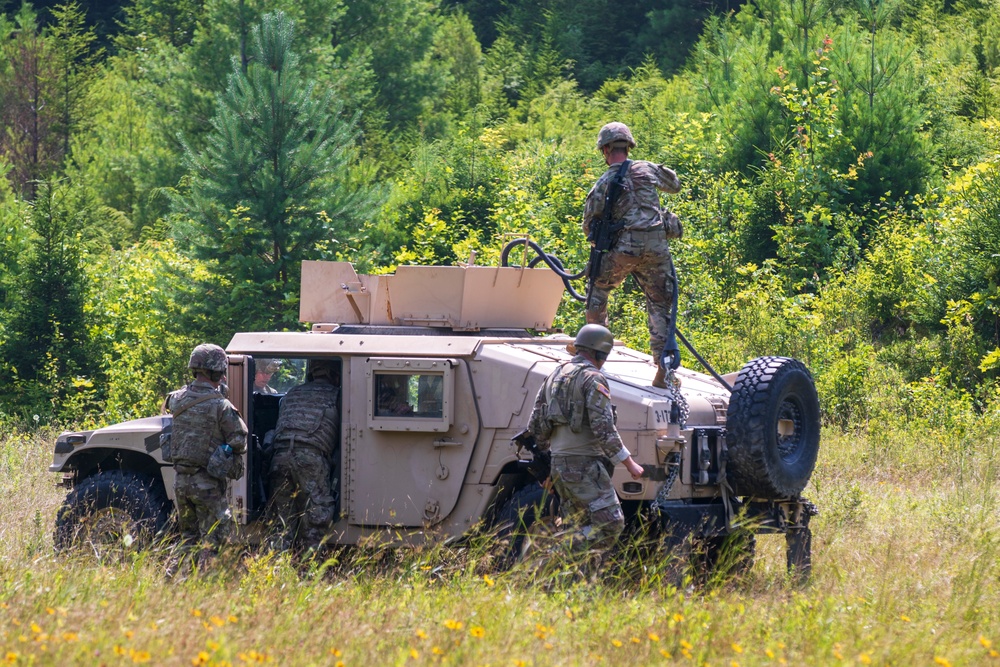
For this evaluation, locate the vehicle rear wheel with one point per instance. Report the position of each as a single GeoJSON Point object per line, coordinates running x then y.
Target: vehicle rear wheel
{"type": "Point", "coordinates": [772, 429]}
{"type": "Point", "coordinates": [111, 509]}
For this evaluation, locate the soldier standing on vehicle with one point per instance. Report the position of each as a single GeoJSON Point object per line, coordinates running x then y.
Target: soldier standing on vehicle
{"type": "Point", "coordinates": [637, 230]}
{"type": "Point", "coordinates": [574, 421]}
{"type": "Point", "coordinates": [203, 421]}
{"type": "Point", "coordinates": [305, 441]}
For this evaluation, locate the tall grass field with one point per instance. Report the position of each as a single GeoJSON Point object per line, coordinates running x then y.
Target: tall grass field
{"type": "Point", "coordinates": [905, 572]}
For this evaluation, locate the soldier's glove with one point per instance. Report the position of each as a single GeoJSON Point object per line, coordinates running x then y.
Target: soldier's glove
{"type": "Point", "coordinates": [671, 359]}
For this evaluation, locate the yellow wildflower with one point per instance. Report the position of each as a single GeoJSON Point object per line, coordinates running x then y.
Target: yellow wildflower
{"type": "Point", "coordinates": [904, 618]}
{"type": "Point", "coordinates": [635, 640]}
{"type": "Point", "coordinates": [653, 637]}
{"type": "Point", "coordinates": [336, 652]}
{"type": "Point", "coordinates": [196, 613]}
{"type": "Point", "coordinates": [665, 653]}
{"type": "Point", "coordinates": [985, 642]}
{"type": "Point", "coordinates": [437, 650]}
{"type": "Point", "coordinates": [421, 634]}
{"type": "Point", "coordinates": [70, 636]}
{"type": "Point", "coordinates": [865, 659]}
{"type": "Point", "coordinates": [129, 634]}
{"type": "Point", "coordinates": [11, 657]}
{"type": "Point", "coordinates": [489, 581]}
{"type": "Point", "coordinates": [212, 646]}
{"type": "Point", "coordinates": [50, 611]}
{"type": "Point", "coordinates": [36, 628]}
{"type": "Point", "coordinates": [140, 656]}
{"type": "Point", "coordinates": [737, 648]}
{"type": "Point", "coordinates": [233, 619]}
{"type": "Point", "coordinates": [616, 643]}
{"type": "Point", "coordinates": [938, 660]}
{"type": "Point", "coordinates": [217, 621]}
{"type": "Point", "coordinates": [685, 644]}
{"type": "Point", "coordinates": [119, 650]}
{"type": "Point", "coordinates": [477, 631]}
{"type": "Point", "coordinates": [678, 618]}
{"type": "Point", "coordinates": [452, 624]}
{"type": "Point", "coordinates": [414, 654]}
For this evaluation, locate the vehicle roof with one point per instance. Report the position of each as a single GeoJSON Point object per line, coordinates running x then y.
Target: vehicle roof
{"type": "Point", "coordinates": [321, 343]}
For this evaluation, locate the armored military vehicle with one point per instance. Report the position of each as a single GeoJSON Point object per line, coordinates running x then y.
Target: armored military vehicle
{"type": "Point", "coordinates": [439, 368]}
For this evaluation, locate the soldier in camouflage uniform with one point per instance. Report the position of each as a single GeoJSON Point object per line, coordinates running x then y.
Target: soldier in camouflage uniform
{"type": "Point", "coordinates": [305, 441]}
{"type": "Point", "coordinates": [573, 420]}
{"type": "Point", "coordinates": [203, 420]}
{"type": "Point", "coordinates": [642, 247]}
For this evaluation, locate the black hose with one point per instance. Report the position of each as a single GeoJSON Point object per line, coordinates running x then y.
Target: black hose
{"type": "Point", "coordinates": [553, 263]}
{"type": "Point", "coordinates": [551, 260]}
{"type": "Point", "coordinates": [701, 359]}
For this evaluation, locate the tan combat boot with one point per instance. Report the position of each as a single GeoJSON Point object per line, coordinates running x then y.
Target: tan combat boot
{"type": "Point", "coordinates": [660, 380]}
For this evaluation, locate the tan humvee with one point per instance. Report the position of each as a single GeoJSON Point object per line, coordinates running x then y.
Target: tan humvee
{"type": "Point", "coordinates": [438, 373]}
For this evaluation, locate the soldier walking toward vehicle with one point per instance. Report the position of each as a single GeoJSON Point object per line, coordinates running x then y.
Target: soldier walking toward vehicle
{"type": "Point", "coordinates": [640, 230]}
{"type": "Point", "coordinates": [573, 420]}
{"type": "Point", "coordinates": [305, 441]}
{"type": "Point", "coordinates": [203, 421]}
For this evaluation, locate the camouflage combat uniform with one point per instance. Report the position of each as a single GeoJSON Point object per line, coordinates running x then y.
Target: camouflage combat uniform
{"type": "Point", "coordinates": [203, 420]}
{"type": "Point", "coordinates": [642, 247]}
{"type": "Point", "coordinates": [573, 419]}
{"type": "Point", "coordinates": [305, 441]}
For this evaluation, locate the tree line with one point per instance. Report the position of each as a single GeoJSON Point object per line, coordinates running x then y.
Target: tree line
{"type": "Point", "coordinates": [165, 177]}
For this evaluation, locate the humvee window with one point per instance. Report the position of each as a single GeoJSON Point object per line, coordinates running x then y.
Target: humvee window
{"type": "Point", "coordinates": [410, 394]}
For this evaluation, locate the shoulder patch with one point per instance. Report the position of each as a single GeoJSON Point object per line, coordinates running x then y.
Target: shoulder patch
{"type": "Point", "coordinates": [604, 390]}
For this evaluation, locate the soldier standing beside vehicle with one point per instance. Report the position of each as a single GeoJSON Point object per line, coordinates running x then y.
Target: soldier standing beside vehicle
{"type": "Point", "coordinates": [573, 420]}
{"type": "Point", "coordinates": [305, 440]}
{"type": "Point", "coordinates": [203, 421]}
{"type": "Point", "coordinates": [637, 232]}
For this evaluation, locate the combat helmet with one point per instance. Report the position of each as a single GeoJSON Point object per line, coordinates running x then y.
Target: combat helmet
{"type": "Point", "coordinates": [616, 134]}
{"type": "Point", "coordinates": [316, 368]}
{"type": "Point", "coordinates": [595, 337]}
{"type": "Point", "coordinates": [208, 357]}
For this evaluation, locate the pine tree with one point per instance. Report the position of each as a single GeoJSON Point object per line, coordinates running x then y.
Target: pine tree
{"type": "Point", "coordinates": [46, 336]}
{"type": "Point", "coordinates": [275, 185]}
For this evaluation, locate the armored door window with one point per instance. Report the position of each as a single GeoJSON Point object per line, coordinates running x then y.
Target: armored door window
{"type": "Point", "coordinates": [410, 394]}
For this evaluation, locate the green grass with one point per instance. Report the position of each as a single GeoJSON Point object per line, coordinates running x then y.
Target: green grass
{"type": "Point", "coordinates": [905, 572]}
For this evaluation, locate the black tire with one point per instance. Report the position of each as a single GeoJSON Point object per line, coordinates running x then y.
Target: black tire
{"type": "Point", "coordinates": [772, 391]}
{"type": "Point", "coordinates": [105, 507]}
{"type": "Point", "coordinates": [514, 519]}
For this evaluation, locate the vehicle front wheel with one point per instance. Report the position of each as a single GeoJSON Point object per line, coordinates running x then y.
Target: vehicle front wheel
{"type": "Point", "coordinates": [515, 519]}
{"type": "Point", "coordinates": [111, 509]}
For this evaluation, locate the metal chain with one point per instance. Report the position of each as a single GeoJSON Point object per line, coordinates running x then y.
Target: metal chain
{"type": "Point", "coordinates": [673, 470]}
{"type": "Point", "coordinates": [674, 390]}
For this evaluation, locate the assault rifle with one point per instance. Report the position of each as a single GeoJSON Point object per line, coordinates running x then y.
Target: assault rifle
{"type": "Point", "coordinates": [604, 232]}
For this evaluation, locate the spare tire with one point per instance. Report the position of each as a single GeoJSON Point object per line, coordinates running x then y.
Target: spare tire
{"type": "Point", "coordinates": [772, 428]}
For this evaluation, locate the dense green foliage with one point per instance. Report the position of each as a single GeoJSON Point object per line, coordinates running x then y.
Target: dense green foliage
{"type": "Point", "coordinates": [164, 177]}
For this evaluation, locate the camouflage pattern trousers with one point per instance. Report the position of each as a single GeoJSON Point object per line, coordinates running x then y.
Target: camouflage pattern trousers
{"type": "Point", "coordinates": [645, 255]}
{"type": "Point", "coordinates": [300, 494]}
{"type": "Point", "coordinates": [588, 502]}
{"type": "Point", "coordinates": [203, 515]}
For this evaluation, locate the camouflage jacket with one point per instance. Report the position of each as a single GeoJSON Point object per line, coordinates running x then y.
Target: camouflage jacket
{"type": "Point", "coordinates": [308, 416]}
{"type": "Point", "coordinates": [573, 414]}
{"type": "Point", "coordinates": [210, 421]}
{"type": "Point", "coordinates": [638, 203]}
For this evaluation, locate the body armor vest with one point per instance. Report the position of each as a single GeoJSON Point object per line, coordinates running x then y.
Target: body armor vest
{"type": "Point", "coordinates": [308, 416]}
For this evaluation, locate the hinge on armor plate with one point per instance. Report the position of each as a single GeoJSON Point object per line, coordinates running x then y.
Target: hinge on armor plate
{"type": "Point", "coordinates": [720, 409]}
{"type": "Point", "coordinates": [431, 510]}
